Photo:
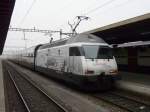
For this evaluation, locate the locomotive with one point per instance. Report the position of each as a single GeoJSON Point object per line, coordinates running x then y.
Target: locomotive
{"type": "Point", "coordinates": [83, 60]}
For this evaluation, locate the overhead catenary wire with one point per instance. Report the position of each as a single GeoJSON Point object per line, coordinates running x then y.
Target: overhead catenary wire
{"type": "Point", "coordinates": [28, 11]}
{"type": "Point", "coordinates": [95, 9]}
{"type": "Point", "coordinates": [113, 7]}
{"type": "Point", "coordinates": [85, 14]}
{"type": "Point", "coordinates": [108, 9]}
{"type": "Point", "coordinates": [101, 6]}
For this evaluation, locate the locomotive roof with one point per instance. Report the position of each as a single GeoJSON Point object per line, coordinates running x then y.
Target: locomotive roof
{"type": "Point", "coordinates": [55, 43]}
{"type": "Point", "coordinates": [78, 38]}
{"type": "Point", "coordinates": [85, 38]}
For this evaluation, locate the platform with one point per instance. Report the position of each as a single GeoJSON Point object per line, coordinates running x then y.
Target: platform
{"type": "Point", "coordinates": [135, 82]}
{"type": "Point", "coordinates": [2, 98]}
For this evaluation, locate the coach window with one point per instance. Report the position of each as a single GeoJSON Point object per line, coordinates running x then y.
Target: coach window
{"type": "Point", "coordinates": [74, 51]}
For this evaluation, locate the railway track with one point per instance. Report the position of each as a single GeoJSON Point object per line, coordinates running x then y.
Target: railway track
{"type": "Point", "coordinates": [13, 102]}
{"type": "Point", "coordinates": [34, 98]}
{"type": "Point", "coordinates": [123, 102]}
{"type": "Point", "coordinates": [114, 98]}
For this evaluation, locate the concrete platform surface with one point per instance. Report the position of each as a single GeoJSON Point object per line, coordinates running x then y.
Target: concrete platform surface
{"type": "Point", "coordinates": [2, 98]}
{"type": "Point", "coordinates": [136, 77]}
{"type": "Point", "coordinates": [134, 82]}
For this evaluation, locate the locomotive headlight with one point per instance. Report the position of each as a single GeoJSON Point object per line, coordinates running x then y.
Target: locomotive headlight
{"type": "Point", "coordinates": [113, 71]}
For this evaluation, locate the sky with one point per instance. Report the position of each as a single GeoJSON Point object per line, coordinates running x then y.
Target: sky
{"type": "Point", "coordinates": [55, 14]}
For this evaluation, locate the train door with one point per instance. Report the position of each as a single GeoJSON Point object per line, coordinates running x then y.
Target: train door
{"type": "Point", "coordinates": [132, 59]}
{"type": "Point", "coordinates": [74, 60]}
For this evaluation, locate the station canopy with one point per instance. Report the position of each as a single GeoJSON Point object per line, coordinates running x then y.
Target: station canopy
{"type": "Point", "coordinates": [6, 9]}
{"type": "Point", "coordinates": [130, 30]}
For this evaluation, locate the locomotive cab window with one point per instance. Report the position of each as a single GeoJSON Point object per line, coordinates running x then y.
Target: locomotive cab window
{"type": "Point", "coordinates": [97, 52]}
{"type": "Point", "coordinates": [74, 51]}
